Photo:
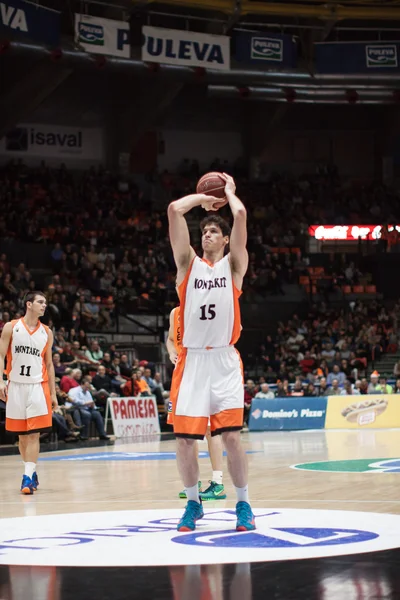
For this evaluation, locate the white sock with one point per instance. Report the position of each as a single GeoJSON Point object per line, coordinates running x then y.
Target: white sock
{"type": "Point", "coordinates": [242, 494]}
{"type": "Point", "coordinates": [192, 493]}
{"type": "Point", "coordinates": [217, 477]}
{"type": "Point", "coordinates": [30, 468]}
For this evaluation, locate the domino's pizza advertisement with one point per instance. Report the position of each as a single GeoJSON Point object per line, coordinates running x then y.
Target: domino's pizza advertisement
{"type": "Point", "coordinates": [375, 411]}
{"type": "Point", "coordinates": [287, 413]}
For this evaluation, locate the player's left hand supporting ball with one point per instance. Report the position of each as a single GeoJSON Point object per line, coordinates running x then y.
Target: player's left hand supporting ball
{"type": "Point", "coordinates": [230, 185]}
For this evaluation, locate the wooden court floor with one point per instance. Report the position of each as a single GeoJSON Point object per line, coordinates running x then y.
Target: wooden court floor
{"type": "Point", "coordinates": [88, 485]}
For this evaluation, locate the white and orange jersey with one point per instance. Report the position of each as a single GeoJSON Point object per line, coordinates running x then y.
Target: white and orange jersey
{"type": "Point", "coordinates": [177, 328]}
{"type": "Point", "coordinates": [26, 353]}
{"type": "Point", "coordinates": [210, 313]}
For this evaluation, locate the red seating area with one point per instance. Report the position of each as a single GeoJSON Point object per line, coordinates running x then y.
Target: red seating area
{"type": "Point", "coordinates": [316, 274]}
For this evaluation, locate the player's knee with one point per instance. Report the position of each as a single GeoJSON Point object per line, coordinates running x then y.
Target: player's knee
{"type": "Point", "coordinates": [185, 443]}
{"type": "Point", "coordinates": [231, 439]}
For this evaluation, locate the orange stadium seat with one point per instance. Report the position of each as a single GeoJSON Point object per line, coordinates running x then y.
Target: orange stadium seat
{"type": "Point", "coordinates": [310, 288]}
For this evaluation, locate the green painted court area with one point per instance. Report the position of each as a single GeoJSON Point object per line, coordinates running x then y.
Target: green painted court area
{"type": "Point", "coordinates": [364, 465]}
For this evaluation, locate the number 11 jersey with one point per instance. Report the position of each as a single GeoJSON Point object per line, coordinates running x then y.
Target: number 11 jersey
{"type": "Point", "coordinates": [210, 312]}
{"type": "Point", "coordinates": [26, 353]}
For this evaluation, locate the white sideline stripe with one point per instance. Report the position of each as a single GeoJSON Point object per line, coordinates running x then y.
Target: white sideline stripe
{"type": "Point", "coordinates": [214, 503]}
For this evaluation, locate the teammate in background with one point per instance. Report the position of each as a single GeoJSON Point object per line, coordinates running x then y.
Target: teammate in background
{"type": "Point", "coordinates": [215, 490]}
{"type": "Point", "coordinates": [208, 378]}
{"type": "Point", "coordinates": [30, 394]}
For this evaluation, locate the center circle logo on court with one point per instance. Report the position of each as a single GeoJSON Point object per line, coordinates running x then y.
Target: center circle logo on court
{"type": "Point", "coordinates": [361, 465]}
{"type": "Point", "coordinates": [149, 537]}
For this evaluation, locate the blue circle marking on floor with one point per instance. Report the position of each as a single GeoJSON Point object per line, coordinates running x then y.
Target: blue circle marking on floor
{"type": "Point", "coordinates": [116, 456]}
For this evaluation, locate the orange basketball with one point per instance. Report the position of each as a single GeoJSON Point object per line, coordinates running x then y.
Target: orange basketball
{"type": "Point", "coordinates": [212, 184]}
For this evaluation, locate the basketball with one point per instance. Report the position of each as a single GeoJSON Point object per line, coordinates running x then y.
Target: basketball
{"type": "Point", "coordinates": [212, 184]}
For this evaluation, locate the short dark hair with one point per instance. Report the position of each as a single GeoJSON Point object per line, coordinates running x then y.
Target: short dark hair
{"type": "Point", "coordinates": [216, 220]}
{"type": "Point", "coordinates": [30, 296]}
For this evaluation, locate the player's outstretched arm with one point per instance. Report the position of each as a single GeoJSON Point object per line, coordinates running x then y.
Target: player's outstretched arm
{"type": "Point", "coordinates": [178, 229]}
{"type": "Point", "coordinates": [238, 241]}
{"type": "Point", "coordinates": [4, 344]}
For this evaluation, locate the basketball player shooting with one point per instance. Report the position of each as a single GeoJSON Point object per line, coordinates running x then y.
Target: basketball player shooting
{"type": "Point", "coordinates": [216, 489]}
{"type": "Point", "coordinates": [208, 380]}
{"type": "Point", "coordinates": [30, 394]}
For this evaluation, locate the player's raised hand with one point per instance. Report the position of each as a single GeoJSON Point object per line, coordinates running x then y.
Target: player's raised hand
{"type": "Point", "coordinates": [230, 185]}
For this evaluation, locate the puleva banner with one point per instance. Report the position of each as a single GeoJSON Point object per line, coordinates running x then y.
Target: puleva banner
{"type": "Point", "coordinates": [30, 21]}
{"type": "Point", "coordinates": [271, 49]}
{"type": "Point", "coordinates": [176, 47]}
{"type": "Point", "coordinates": [357, 57]}
{"type": "Point", "coordinates": [287, 413]}
{"type": "Point", "coordinates": [103, 36]}
{"type": "Point", "coordinates": [363, 412]}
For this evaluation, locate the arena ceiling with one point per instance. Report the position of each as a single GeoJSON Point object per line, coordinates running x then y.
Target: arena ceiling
{"type": "Point", "coordinates": [315, 9]}
{"type": "Point", "coordinates": [335, 20]}
{"type": "Point", "coordinates": [36, 82]}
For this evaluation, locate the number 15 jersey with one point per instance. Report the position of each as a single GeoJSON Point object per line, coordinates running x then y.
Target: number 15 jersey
{"type": "Point", "coordinates": [26, 353]}
{"type": "Point", "coordinates": [210, 312]}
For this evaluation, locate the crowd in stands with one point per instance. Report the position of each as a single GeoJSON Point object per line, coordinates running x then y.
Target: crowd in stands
{"type": "Point", "coordinates": [108, 240]}
{"type": "Point", "coordinates": [328, 353]}
{"type": "Point", "coordinates": [328, 336]}
{"type": "Point", "coordinates": [107, 247]}
{"type": "Point", "coordinates": [283, 205]}
{"type": "Point", "coordinates": [280, 210]}
{"type": "Point", "coordinates": [88, 376]}
{"type": "Point", "coordinates": [108, 251]}
{"type": "Point", "coordinates": [318, 387]}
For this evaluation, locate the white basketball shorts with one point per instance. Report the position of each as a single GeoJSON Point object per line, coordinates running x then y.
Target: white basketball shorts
{"type": "Point", "coordinates": [28, 408]}
{"type": "Point", "coordinates": [207, 388]}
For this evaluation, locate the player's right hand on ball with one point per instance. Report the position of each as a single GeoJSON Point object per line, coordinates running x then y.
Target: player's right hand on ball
{"type": "Point", "coordinates": [207, 202]}
{"type": "Point", "coordinates": [3, 390]}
